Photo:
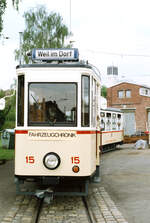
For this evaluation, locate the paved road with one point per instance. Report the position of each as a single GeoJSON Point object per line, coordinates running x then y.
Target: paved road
{"type": "Point", "coordinates": [7, 188]}
{"type": "Point", "coordinates": [126, 178]}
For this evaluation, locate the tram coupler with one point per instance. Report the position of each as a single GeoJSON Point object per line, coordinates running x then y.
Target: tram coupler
{"type": "Point", "coordinates": [47, 195]}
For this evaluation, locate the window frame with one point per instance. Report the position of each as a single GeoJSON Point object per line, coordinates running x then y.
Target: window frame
{"type": "Point", "coordinates": [94, 102]}
{"type": "Point", "coordinates": [123, 95]}
{"type": "Point", "coordinates": [20, 100]}
{"type": "Point", "coordinates": [39, 124]}
{"type": "Point", "coordinates": [126, 93]}
{"type": "Point", "coordinates": [82, 124]}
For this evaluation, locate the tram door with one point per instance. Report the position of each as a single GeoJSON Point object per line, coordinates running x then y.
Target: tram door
{"type": "Point", "coordinates": [95, 119]}
{"type": "Point", "coordinates": [89, 116]}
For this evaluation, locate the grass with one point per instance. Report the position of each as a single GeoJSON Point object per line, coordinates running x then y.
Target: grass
{"type": "Point", "coordinates": [6, 154]}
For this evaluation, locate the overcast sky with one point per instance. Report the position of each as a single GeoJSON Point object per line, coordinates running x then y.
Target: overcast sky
{"type": "Point", "coordinates": [106, 32]}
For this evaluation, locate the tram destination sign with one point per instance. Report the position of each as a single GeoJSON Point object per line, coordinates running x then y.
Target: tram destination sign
{"type": "Point", "coordinates": [70, 54]}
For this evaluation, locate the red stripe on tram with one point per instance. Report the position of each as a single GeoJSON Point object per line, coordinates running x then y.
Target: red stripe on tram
{"type": "Point", "coordinates": [86, 132]}
{"type": "Point", "coordinates": [78, 132]}
{"type": "Point", "coordinates": [21, 132]}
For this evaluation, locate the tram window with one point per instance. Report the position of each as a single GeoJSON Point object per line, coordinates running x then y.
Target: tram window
{"type": "Point", "coordinates": [53, 104]}
{"type": "Point", "coordinates": [102, 114]}
{"type": "Point", "coordinates": [85, 106]}
{"type": "Point", "coordinates": [108, 121]}
{"type": "Point", "coordinates": [108, 115]}
{"type": "Point", "coordinates": [114, 126]}
{"type": "Point", "coordinates": [102, 125]}
{"type": "Point", "coordinates": [113, 116]}
{"type": "Point", "coordinates": [114, 121]}
{"type": "Point", "coordinates": [93, 109]}
{"type": "Point", "coordinates": [20, 114]}
{"type": "Point", "coordinates": [119, 121]}
{"type": "Point", "coordinates": [119, 116]}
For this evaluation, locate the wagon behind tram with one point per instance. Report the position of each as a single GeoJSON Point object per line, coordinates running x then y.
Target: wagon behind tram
{"type": "Point", "coordinates": [112, 134]}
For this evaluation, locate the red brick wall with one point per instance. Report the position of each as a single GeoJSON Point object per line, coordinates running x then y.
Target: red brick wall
{"type": "Point", "coordinates": [136, 101]}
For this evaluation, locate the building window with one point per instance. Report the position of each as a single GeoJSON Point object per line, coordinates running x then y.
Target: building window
{"type": "Point", "coordinates": [121, 94]}
{"type": "Point", "coordinates": [128, 93]}
{"type": "Point", "coordinates": [144, 92]}
{"type": "Point", "coordinates": [124, 94]}
{"type": "Point", "coordinates": [112, 70]}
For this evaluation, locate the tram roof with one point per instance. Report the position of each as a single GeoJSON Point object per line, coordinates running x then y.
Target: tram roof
{"type": "Point", "coordinates": [77, 64]}
{"type": "Point", "coordinates": [112, 109]}
{"type": "Point", "coordinates": [60, 65]}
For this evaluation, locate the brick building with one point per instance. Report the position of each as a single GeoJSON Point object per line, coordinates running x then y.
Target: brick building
{"type": "Point", "coordinates": [134, 101]}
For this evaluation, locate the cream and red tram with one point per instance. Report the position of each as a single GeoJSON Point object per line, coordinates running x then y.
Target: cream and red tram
{"type": "Point", "coordinates": [111, 122]}
{"type": "Point", "coordinates": [57, 133]}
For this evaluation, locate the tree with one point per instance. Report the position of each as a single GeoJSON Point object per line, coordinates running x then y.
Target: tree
{"type": "Point", "coordinates": [3, 5]}
{"type": "Point", "coordinates": [2, 10]}
{"type": "Point", "coordinates": [104, 91]}
{"type": "Point", "coordinates": [7, 116]}
{"type": "Point", "coordinates": [10, 112]}
{"type": "Point", "coordinates": [43, 30]}
{"type": "Point", "coordinates": [16, 3]}
{"type": "Point", "coordinates": [3, 113]}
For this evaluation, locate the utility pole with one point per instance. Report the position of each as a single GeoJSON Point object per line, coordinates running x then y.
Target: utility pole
{"type": "Point", "coordinates": [70, 17]}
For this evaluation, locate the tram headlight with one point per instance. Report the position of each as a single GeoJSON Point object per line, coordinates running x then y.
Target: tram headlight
{"type": "Point", "coordinates": [51, 161]}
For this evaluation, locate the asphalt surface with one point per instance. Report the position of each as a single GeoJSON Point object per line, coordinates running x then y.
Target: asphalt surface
{"type": "Point", "coordinates": [7, 188]}
{"type": "Point", "coordinates": [125, 176]}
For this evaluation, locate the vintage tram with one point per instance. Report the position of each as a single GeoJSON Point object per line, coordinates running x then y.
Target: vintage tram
{"type": "Point", "coordinates": [112, 134]}
{"type": "Point", "coordinates": [57, 135]}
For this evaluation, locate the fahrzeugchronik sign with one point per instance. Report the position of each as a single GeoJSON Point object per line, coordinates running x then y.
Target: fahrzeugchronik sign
{"type": "Point", "coordinates": [51, 135]}
{"type": "Point", "coordinates": [55, 54]}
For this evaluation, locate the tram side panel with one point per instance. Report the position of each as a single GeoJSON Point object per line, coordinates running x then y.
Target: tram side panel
{"type": "Point", "coordinates": [112, 137]}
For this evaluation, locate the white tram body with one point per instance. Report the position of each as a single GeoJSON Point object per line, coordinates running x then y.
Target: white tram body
{"type": "Point", "coordinates": [111, 128]}
{"type": "Point", "coordinates": [57, 131]}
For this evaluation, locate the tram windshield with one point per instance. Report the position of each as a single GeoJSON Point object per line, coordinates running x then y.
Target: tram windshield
{"type": "Point", "coordinates": [52, 104]}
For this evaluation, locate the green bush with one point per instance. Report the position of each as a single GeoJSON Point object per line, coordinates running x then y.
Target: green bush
{"type": "Point", "coordinates": [6, 154]}
{"type": "Point", "coordinates": [9, 125]}
{"type": "Point", "coordinates": [8, 115]}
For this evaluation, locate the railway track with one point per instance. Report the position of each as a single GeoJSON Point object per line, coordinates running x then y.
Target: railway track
{"type": "Point", "coordinates": [69, 209]}
{"type": "Point", "coordinates": [90, 215]}
{"type": "Point", "coordinates": [96, 208]}
{"type": "Point", "coordinates": [37, 212]}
